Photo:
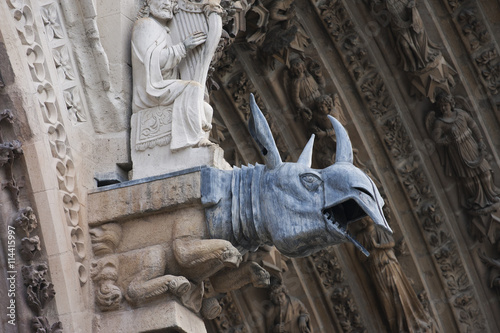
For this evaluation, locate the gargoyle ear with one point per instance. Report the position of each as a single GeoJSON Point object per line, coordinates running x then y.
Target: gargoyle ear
{"type": "Point", "coordinates": [305, 157]}
{"type": "Point", "coordinates": [344, 147]}
{"type": "Point", "coordinates": [261, 133]}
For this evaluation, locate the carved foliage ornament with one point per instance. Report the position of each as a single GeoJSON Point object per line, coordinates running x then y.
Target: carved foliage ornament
{"type": "Point", "coordinates": [420, 191]}
{"type": "Point", "coordinates": [333, 280]}
{"type": "Point", "coordinates": [48, 99]}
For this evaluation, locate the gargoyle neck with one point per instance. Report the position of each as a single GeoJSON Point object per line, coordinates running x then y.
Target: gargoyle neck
{"type": "Point", "coordinates": [232, 206]}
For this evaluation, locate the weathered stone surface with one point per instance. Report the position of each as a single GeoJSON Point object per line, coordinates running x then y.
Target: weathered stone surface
{"type": "Point", "coordinates": [151, 195]}
{"type": "Point", "coordinates": [168, 316]}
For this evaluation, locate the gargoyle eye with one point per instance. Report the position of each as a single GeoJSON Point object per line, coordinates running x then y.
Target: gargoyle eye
{"type": "Point", "coordinates": [365, 191]}
{"type": "Point", "coordinates": [310, 181]}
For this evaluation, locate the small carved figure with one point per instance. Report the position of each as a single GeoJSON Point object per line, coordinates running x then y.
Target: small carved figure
{"type": "Point", "coordinates": [464, 154]}
{"type": "Point", "coordinates": [400, 304]}
{"type": "Point", "coordinates": [307, 85]}
{"type": "Point", "coordinates": [286, 314]}
{"type": "Point", "coordinates": [284, 34]}
{"type": "Point", "coordinates": [418, 55]}
{"type": "Point", "coordinates": [322, 128]}
{"type": "Point", "coordinates": [170, 108]}
{"type": "Point", "coordinates": [105, 274]}
{"type": "Point", "coordinates": [414, 48]}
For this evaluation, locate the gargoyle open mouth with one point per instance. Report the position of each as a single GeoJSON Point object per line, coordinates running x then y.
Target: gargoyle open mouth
{"type": "Point", "coordinates": [341, 215]}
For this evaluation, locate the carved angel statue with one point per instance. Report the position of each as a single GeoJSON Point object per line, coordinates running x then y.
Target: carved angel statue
{"type": "Point", "coordinates": [463, 154]}
{"type": "Point", "coordinates": [172, 46]}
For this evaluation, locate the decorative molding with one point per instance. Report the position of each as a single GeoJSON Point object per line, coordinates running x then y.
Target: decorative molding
{"type": "Point", "coordinates": [54, 37]}
{"type": "Point", "coordinates": [327, 266]}
{"type": "Point", "coordinates": [482, 48]}
{"type": "Point", "coordinates": [230, 319]}
{"type": "Point", "coordinates": [410, 170]}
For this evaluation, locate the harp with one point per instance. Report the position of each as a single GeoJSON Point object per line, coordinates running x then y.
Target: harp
{"type": "Point", "coordinates": [191, 18]}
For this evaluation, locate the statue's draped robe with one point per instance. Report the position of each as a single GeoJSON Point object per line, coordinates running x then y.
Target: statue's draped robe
{"type": "Point", "coordinates": [415, 49]}
{"type": "Point", "coordinates": [396, 295]}
{"type": "Point", "coordinates": [291, 311]}
{"type": "Point", "coordinates": [160, 87]}
{"type": "Point", "coordinates": [463, 159]}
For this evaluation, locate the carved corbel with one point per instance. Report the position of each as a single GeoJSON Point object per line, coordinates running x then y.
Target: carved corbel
{"type": "Point", "coordinates": [104, 272]}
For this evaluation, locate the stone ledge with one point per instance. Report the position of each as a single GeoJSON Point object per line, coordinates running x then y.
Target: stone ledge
{"type": "Point", "coordinates": [143, 197]}
{"type": "Point", "coordinates": [168, 316]}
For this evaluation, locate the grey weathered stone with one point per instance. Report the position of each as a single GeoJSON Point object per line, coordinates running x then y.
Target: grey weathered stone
{"type": "Point", "coordinates": [298, 209]}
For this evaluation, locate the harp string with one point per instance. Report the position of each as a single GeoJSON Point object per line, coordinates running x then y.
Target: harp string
{"type": "Point", "coordinates": [186, 23]}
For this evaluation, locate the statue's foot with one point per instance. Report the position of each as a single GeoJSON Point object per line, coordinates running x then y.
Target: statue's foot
{"type": "Point", "coordinates": [179, 286]}
{"type": "Point", "coordinates": [204, 143]}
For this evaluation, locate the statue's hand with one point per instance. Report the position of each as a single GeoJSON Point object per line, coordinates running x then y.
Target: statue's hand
{"type": "Point", "coordinates": [303, 325]}
{"type": "Point", "coordinates": [194, 40]}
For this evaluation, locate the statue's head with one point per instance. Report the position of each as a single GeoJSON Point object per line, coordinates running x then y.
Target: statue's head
{"type": "Point", "coordinates": [444, 101]}
{"type": "Point", "coordinates": [297, 67]}
{"type": "Point", "coordinates": [304, 210]}
{"type": "Point", "coordinates": [324, 104]}
{"type": "Point", "coordinates": [162, 9]}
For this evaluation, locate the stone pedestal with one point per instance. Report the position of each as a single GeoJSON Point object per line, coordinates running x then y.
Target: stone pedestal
{"type": "Point", "coordinates": [161, 160]}
{"type": "Point", "coordinates": [158, 159]}
{"type": "Point", "coordinates": [168, 316]}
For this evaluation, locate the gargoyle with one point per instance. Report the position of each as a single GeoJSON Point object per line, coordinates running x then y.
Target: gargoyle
{"type": "Point", "coordinates": [289, 205]}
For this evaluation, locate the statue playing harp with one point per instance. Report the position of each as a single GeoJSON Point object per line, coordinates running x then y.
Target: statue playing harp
{"type": "Point", "coordinates": [172, 46]}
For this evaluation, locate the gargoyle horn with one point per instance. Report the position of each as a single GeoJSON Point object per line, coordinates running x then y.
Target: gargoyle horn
{"type": "Point", "coordinates": [305, 157]}
{"type": "Point", "coordinates": [261, 133]}
{"type": "Point", "coordinates": [344, 147]}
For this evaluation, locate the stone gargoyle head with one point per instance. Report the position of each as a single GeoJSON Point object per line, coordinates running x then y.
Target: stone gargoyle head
{"type": "Point", "coordinates": [298, 209]}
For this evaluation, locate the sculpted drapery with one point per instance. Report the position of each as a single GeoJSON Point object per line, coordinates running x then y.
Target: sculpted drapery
{"type": "Point", "coordinates": [415, 49]}
{"type": "Point", "coordinates": [159, 90]}
{"type": "Point", "coordinates": [464, 154]}
{"type": "Point", "coordinates": [398, 300]}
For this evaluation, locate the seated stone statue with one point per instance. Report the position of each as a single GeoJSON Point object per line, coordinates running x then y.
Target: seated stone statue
{"type": "Point", "coordinates": [169, 109]}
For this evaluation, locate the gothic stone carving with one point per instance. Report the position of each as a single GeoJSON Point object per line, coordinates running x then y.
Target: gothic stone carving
{"type": "Point", "coordinates": [407, 163]}
{"type": "Point", "coordinates": [286, 313]}
{"type": "Point", "coordinates": [35, 42]}
{"type": "Point", "coordinates": [401, 306]}
{"type": "Point", "coordinates": [288, 204]}
{"type": "Point", "coordinates": [169, 110]}
{"type": "Point", "coordinates": [39, 290]}
{"type": "Point", "coordinates": [9, 151]}
{"type": "Point", "coordinates": [307, 85]}
{"type": "Point", "coordinates": [42, 325]}
{"type": "Point", "coordinates": [464, 155]}
{"type": "Point", "coordinates": [277, 32]}
{"type": "Point", "coordinates": [333, 280]}
{"type": "Point", "coordinates": [104, 271]}
{"type": "Point", "coordinates": [418, 55]}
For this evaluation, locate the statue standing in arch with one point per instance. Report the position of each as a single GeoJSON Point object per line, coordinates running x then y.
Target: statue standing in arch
{"type": "Point", "coordinates": [168, 107]}
{"type": "Point", "coordinates": [464, 154]}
